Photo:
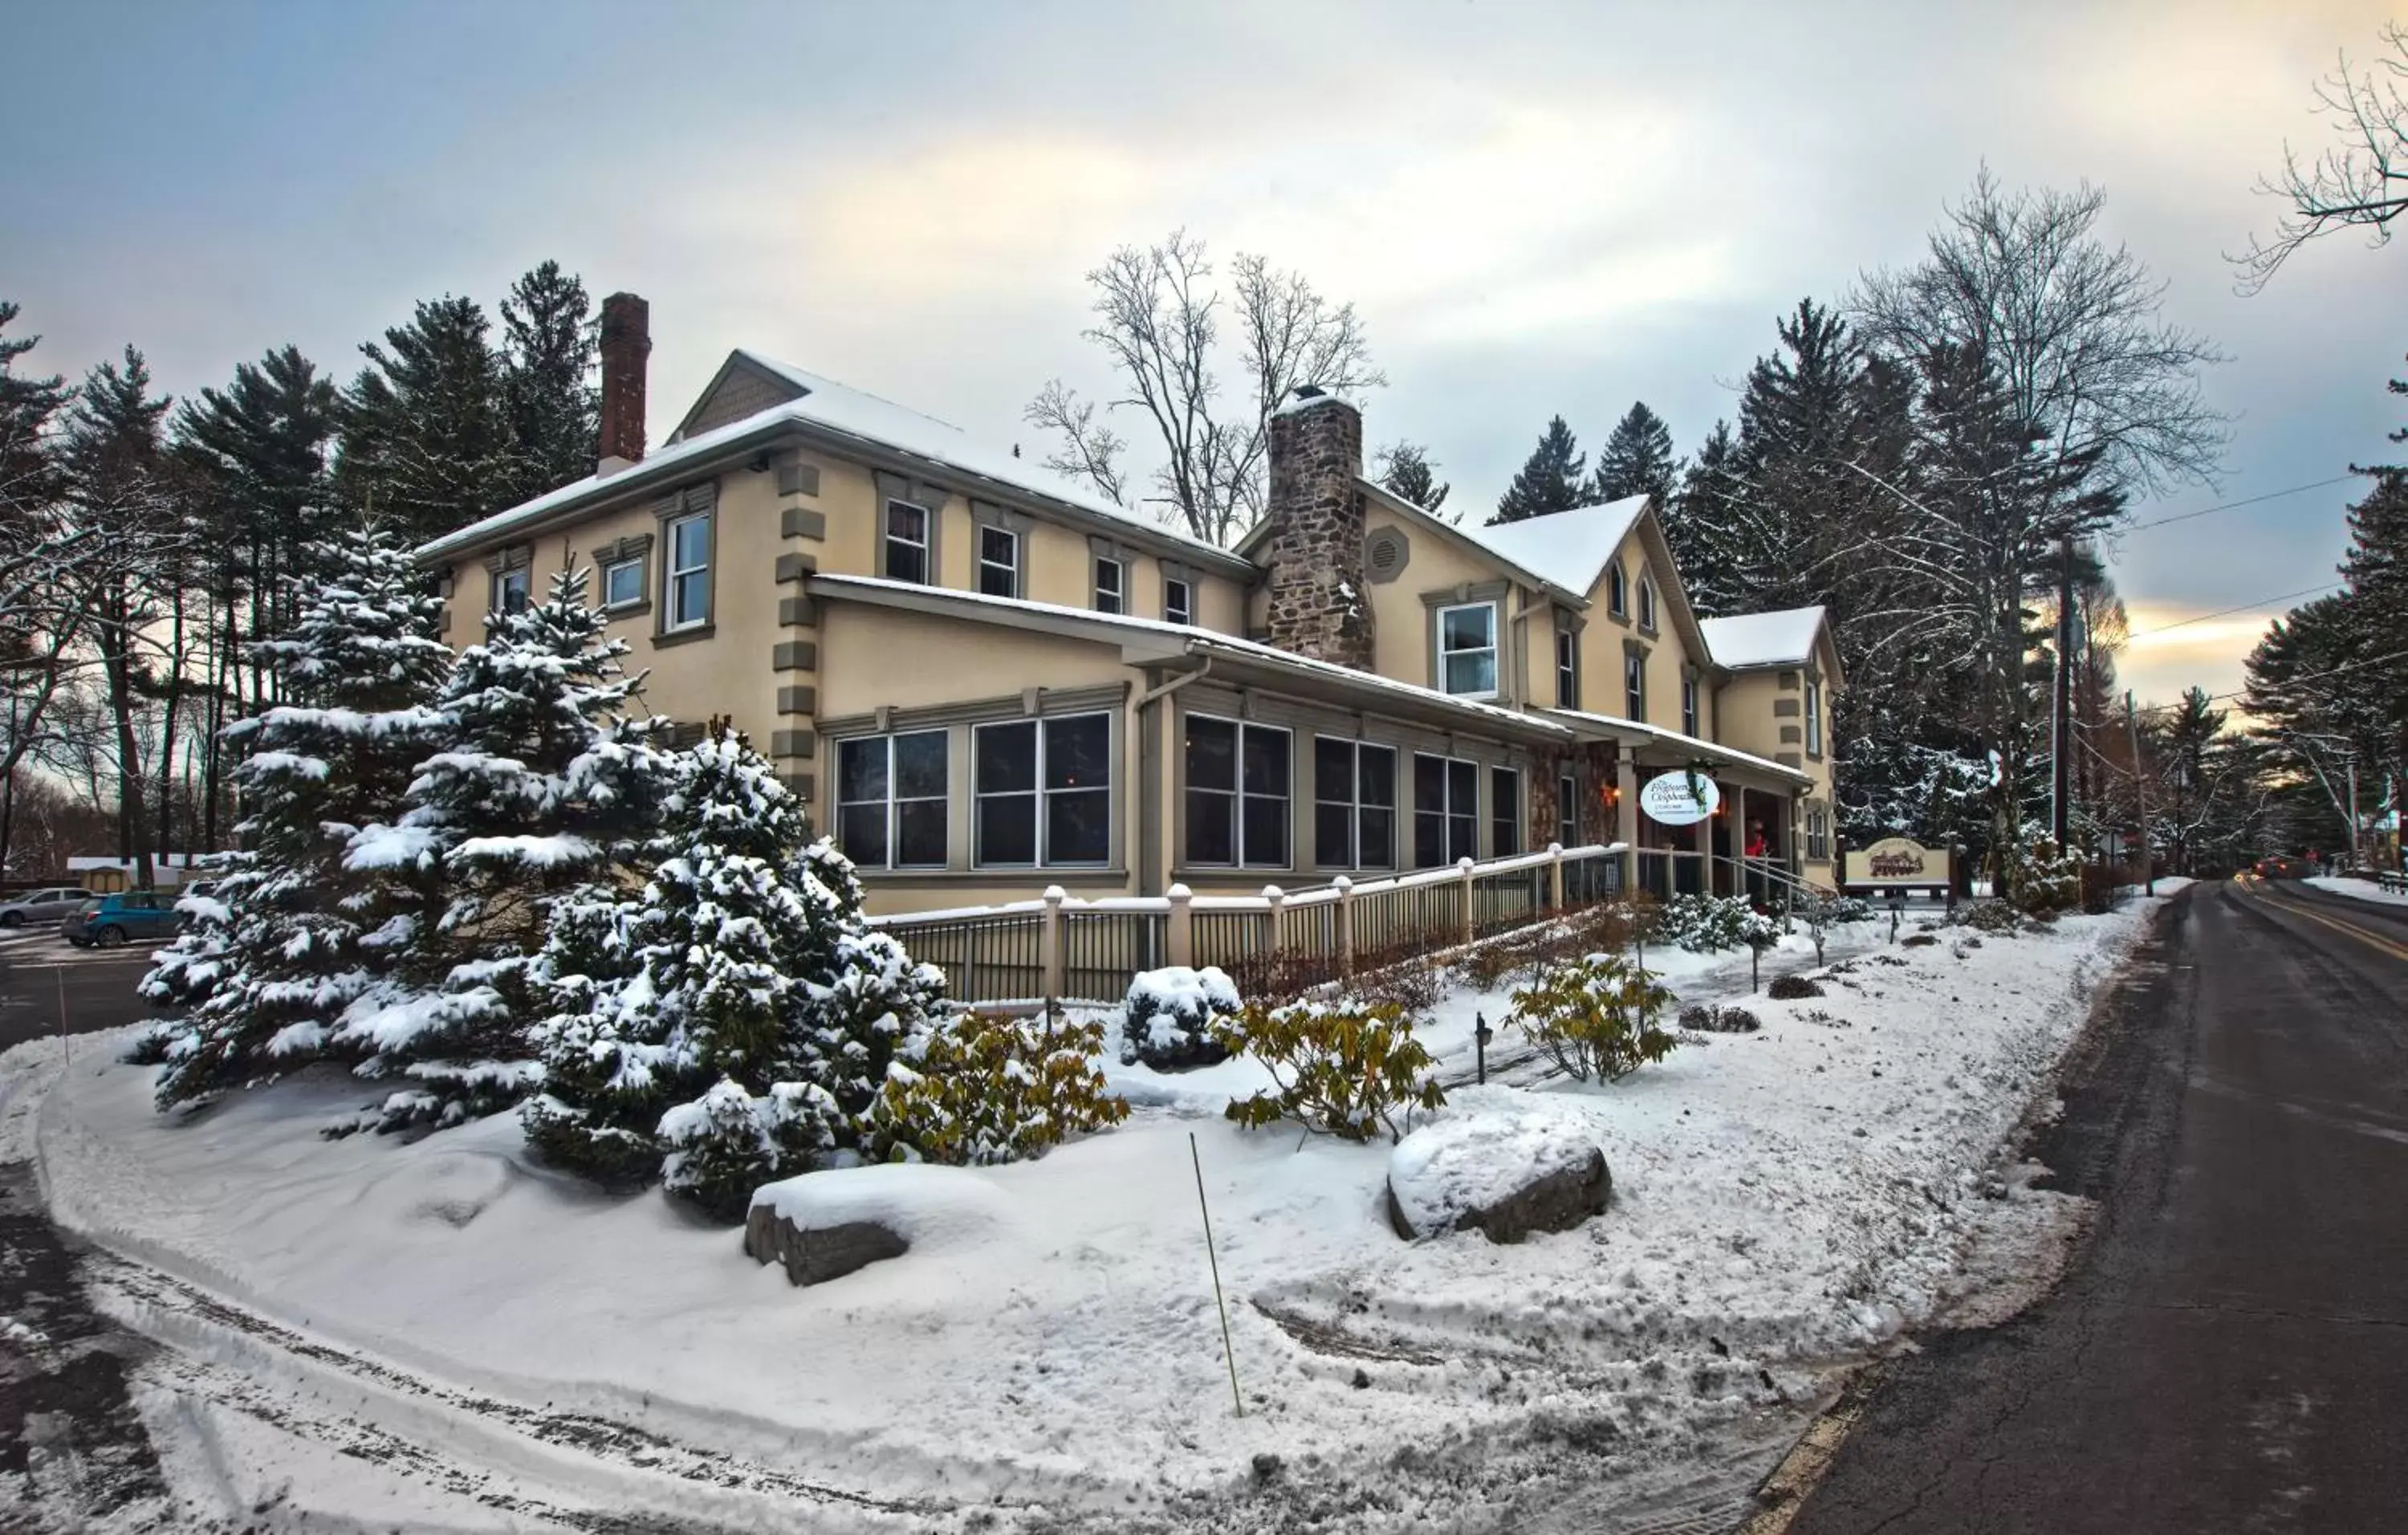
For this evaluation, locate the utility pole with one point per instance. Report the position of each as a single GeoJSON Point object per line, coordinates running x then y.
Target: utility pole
{"type": "Point", "coordinates": [2141, 793]}
{"type": "Point", "coordinates": [2354, 859]}
{"type": "Point", "coordinates": [2061, 725]}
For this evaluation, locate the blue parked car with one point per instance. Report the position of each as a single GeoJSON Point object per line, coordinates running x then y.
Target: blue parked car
{"type": "Point", "coordinates": [107, 921]}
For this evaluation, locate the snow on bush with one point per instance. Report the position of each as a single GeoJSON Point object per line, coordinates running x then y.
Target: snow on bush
{"type": "Point", "coordinates": [1704, 923]}
{"type": "Point", "coordinates": [1490, 1144]}
{"type": "Point", "coordinates": [2041, 877]}
{"type": "Point", "coordinates": [1167, 1020]}
{"type": "Point", "coordinates": [982, 1089]}
{"type": "Point", "coordinates": [1347, 1070]}
{"type": "Point", "coordinates": [1597, 1019]}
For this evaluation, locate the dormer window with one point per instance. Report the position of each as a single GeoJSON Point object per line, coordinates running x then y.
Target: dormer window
{"type": "Point", "coordinates": [1646, 603]}
{"type": "Point", "coordinates": [1618, 592]}
{"type": "Point", "coordinates": [1467, 650]}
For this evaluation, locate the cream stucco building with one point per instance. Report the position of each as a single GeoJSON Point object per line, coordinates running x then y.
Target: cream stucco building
{"type": "Point", "coordinates": [985, 678]}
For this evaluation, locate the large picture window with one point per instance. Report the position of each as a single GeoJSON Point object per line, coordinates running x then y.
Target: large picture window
{"type": "Point", "coordinates": [1353, 804]}
{"type": "Point", "coordinates": [1446, 811]}
{"type": "Point", "coordinates": [1504, 813]}
{"type": "Point", "coordinates": [1467, 650]}
{"type": "Point", "coordinates": [1237, 799]}
{"type": "Point", "coordinates": [687, 581]}
{"type": "Point", "coordinates": [907, 542]}
{"type": "Point", "coordinates": [1043, 792]}
{"type": "Point", "coordinates": [890, 801]}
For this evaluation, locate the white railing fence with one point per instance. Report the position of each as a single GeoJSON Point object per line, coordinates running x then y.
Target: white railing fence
{"type": "Point", "coordinates": [1020, 953]}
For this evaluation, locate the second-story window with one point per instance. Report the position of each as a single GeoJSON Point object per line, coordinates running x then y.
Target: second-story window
{"type": "Point", "coordinates": [1618, 592]}
{"type": "Point", "coordinates": [998, 571]}
{"type": "Point", "coordinates": [1178, 601]}
{"type": "Point", "coordinates": [686, 581]}
{"type": "Point", "coordinates": [1646, 603]}
{"type": "Point", "coordinates": [1689, 706]}
{"type": "Point", "coordinates": [1111, 578]}
{"type": "Point", "coordinates": [1634, 685]}
{"type": "Point", "coordinates": [907, 542]}
{"type": "Point", "coordinates": [510, 591]}
{"type": "Point", "coordinates": [1467, 650]}
{"type": "Point", "coordinates": [1567, 669]}
{"type": "Point", "coordinates": [1815, 718]}
{"type": "Point", "coordinates": [622, 583]}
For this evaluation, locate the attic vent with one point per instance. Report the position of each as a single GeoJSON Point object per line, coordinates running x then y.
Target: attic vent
{"type": "Point", "coordinates": [1385, 553]}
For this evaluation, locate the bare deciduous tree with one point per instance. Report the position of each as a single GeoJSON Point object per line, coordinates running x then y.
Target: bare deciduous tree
{"type": "Point", "coordinates": [1158, 320]}
{"type": "Point", "coordinates": [2362, 183]}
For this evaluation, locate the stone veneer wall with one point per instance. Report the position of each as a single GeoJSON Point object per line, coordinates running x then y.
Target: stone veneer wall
{"type": "Point", "coordinates": [1315, 582]}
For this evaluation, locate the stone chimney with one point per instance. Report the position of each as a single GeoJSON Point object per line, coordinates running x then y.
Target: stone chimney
{"type": "Point", "coordinates": [1317, 604]}
{"type": "Point", "coordinates": [626, 343]}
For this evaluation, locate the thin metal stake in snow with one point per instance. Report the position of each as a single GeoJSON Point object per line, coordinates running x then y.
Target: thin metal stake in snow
{"type": "Point", "coordinates": [1214, 1259]}
{"type": "Point", "coordinates": [65, 1048]}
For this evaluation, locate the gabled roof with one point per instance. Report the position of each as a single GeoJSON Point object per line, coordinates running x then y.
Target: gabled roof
{"type": "Point", "coordinates": [1782, 639]}
{"type": "Point", "coordinates": [1571, 546]}
{"type": "Point", "coordinates": [846, 415]}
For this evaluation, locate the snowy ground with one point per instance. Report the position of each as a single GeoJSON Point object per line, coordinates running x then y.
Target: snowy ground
{"type": "Point", "coordinates": [438, 1334]}
{"type": "Point", "coordinates": [2364, 889]}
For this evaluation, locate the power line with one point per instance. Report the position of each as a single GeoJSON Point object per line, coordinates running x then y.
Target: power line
{"type": "Point", "coordinates": [2313, 676]}
{"type": "Point", "coordinates": [2228, 506]}
{"type": "Point", "coordinates": [2228, 612]}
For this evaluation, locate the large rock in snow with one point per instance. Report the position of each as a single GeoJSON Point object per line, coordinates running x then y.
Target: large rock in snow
{"type": "Point", "coordinates": [824, 1225]}
{"type": "Point", "coordinates": [1505, 1163]}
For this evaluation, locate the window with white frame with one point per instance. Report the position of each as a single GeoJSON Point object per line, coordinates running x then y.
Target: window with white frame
{"type": "Point", "coordinates": [510, 591]}
{"type": "Point", "coordinates": [1446, 810]}
{"type": "Point", "coordinates": [1814, 719]}
{"type": "Point", "coordinates": [1237, 792]}
{"type": "Point", "coordinates": [891, 799]}
{"type": "Point", "coordinates": [1646, 602]}
{"type": "Point", "coordinates": [1178, 601]}
{"type": "Point", "coordinates": [622, 583]}
{"type": "Point", "coordinates": [1504, 813]}
{"type": "Point", "coordinates": [1353, 804]}
{"type": "Point", "coordinates": [1689, 706]}
{"type": "Point", "coordinates": [1819, 834]}
{"type": "Point", "coordinates": [999, 561]}
{"type": "Point", "coordinates": [1112, 585]}
{"type": "Point", "coordinates": [686, 573]}
{"type": "Point", "coordinates": [1467, 650]}
{"type": "Point", "coordinates": [907, 542]}
{"type": "Point", "coordinates": [1568, 810]}
{"type": "Point", "coordinates": [1567, 669]}
{"type": "Point", "coordinates": [1634, 685]}
{"type": "Point", "coordinates": [1042, 792]}
{"type": "Point", "coordinates": [1618, 592]}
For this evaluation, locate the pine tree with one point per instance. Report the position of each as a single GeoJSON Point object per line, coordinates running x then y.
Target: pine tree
{"type": "Point", "coordinates": [1637, 459]}
{"type": "Point", "coordinates": [31, 476]}
{"type": "Point", "coordinates": [1698, 524]}
{"type": "Point", "coordinates": [291, 940]}
{"type": "Point", "coordinates": [735, 1016]}
{"type": "Point", "coordinates": [535, 785]}
{"type": "Point", "coordinates": [426, 426]}
{"type": "Point", "coordinates": [1406, 469]}
{"type": "Point", "coordinates": [1555, 478]}
{"type": "Point", "coordinates": [548, 370]}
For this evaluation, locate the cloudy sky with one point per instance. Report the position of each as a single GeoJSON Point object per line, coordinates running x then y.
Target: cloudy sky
{"type": "Point", "coordinates": [1538, 209]}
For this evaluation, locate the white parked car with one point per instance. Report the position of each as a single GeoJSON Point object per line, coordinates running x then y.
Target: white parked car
{"type": "Point", "coordinates": [42, 908]}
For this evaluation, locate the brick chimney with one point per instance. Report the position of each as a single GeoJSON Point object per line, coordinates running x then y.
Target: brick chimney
{"type": "Point", "coordinates": [1317, 604]}
{"type": "Point", "coordinates": [626, 343]}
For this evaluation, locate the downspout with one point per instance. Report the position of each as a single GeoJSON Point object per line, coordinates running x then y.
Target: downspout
{"type": "Point", "coordinates": [1150, 838]}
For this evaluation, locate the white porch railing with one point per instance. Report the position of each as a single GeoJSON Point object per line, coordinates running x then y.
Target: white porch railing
{"type": "Point", "coordinates": [1019, 954]}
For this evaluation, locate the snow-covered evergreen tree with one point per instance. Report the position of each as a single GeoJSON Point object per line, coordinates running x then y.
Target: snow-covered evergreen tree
{"type": "Point", "coordinates": [735, 1016]}
{"type": "Point", "coordinates": [288, 941]}
{"type": "Point", "coordinates": [536, 786]}
{"type": "Point", "coordinates": [1637, 459]}
{"type": "Point", "coordinates": [1555, 478]}
{"type": "Point", "coordinates": [427, 433]}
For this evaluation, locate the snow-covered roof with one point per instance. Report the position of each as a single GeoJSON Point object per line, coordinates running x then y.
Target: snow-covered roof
{"type": "Point", "coordinates": [1711, 751]}
{"type": "Point", "coordinates": [1181, 637]}
{"type": "Point", "coordinates": [845, 411]}
{"type": "Point", "coordinates": [1569, 548]}
{"type": "Point", "coordinates": [1782, 639]}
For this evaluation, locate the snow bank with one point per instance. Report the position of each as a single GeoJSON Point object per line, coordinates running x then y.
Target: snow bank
{"type": "Point", "coordinates": [932, 1208]}
{"type": "Point", "coordinates": [2363, 890]}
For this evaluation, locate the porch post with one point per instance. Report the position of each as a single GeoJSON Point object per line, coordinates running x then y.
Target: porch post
{"type": "Point", "coordinates": [1274, 897]}
{"type": "Point", "coordinates": [1345, 888]}
{"type": "Point", "coordinates": [1180, 940]}
{"type": "Point", "coordinates": [1746, 890]}
{"type": "Point", "coordinates": [1555, 876]}
{"type": "Point", "coordinates": [1050, 957]}
{"type": "Point", "coordinates": [1469, 920]}
{"type": "Point", "coordinates": [1625, 816]}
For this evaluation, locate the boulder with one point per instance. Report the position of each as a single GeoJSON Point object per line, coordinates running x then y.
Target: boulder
{"type": "Point", "coordinates": [826, 1225]}
{"type": "Point", "coordinates": [814, 1256]}
{"type": "Point", "coordinates": [1503, 1163]}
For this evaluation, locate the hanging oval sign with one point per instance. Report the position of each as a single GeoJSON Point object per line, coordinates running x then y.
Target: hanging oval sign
{"type": "Point", "coordinates": [1679, 799]}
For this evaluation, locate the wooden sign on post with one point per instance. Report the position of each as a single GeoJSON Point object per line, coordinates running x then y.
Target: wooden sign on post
{"type": "Point", "coordinates": [1898, 863]}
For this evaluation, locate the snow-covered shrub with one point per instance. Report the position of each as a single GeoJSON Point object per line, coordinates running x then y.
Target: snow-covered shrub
{"type": "Point", "coordinates": [1598, 1018]}
{"type": "Point", "coordinates": [535, 785]}
{"type": "Point", "coordinates": [1704, 923]}
{"type": "Point", "coordinates": [268, 963]}
{"type": "Point", "coordinates": [979, 1089]}
{"type": "Point", "coordinates": [1845, 908]}
{"type": "Point", "coordinates": [736, 1012]}
{"type": "Point", "coordinates": [1990, 916]}
{"type": "Point", "coordinates": [1344, 1071]}
{"type": "Point", "coordinates": [1792, 988]}
{"type": "Point", "coordinates": [2041, 877]}
{"type": "Point", "coordinates": [1710, 1018]}
{"type": "Point", "coordinates": [1167, 1019]}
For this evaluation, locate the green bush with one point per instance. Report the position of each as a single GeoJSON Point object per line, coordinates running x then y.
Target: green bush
{"type": "Point", "coordinates": [2041, 877]}
{"type": "Point", "coordinates": [986, 1089]}
{"type": "Point", "coordinates": [1704, 923]}
{"type": "Point", "coordinates": [1347, 1071]}
{"type": "Point", "coordinates": [1597, 1019]}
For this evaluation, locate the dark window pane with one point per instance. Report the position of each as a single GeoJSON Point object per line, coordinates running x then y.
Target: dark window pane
{"type": "Point", "coordinates": [860, 832]}
{"type": "Point", "coordinates": [1430, 841]}
{"type": "Point", "coordinates": [920, 764]}
{"type": "Point", "coordinates": [1007, 758]}
{"type": "Point", "coordinates": [1376, 776]}
{"type": "Point", "coordinates": [906, 521]}
{"type": "Point", "coordinates": [1006, 830]}
{"type": "Point", "coordinates": [1429, 783]}
{"type": "Point", "coordinates": [1078, 752]}
{"type": "Point", "coordinates": [1333, 769]}
{"type": "Point", "coordinates": [1178, 602]}
{"type": "Point", "coordinates": [1331, 848]}
{"type": "Point", "coordinates": [1466, 628]}
{"type": "Point", "coordinates": [920, 834]}
{"type": "Point", "coordinates": [1462, 788]}
{"type": "Point", "coordinates": [1460, 832]}
{"type": "Point", "coordinates": [905, 562]}
{"type": "Point", "coordinates": [1265, 832]}
{"type": "Point", "coordinates": [1079, 826]}
{"type": "Point", "coordinates": [1212, 753]}
{"type": "Point", "coordinates": [861, 769]}
{"type": "Point", "coordinates": [1266, 761]}
{"type": "Point", "coordinates": [1378, 847]}
{"type": "Point", "coordinates": [1207, 828]}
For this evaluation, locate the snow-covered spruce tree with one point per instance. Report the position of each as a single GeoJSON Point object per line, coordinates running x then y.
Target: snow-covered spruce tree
{"type": "Point", "coordinates": [731, 1021]}
{"type": "Point", "coordinates": [287, 941]}
{"type": "Point", "coordinates": [535, 785]}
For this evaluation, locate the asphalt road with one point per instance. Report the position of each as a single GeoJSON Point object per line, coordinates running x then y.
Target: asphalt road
{"type": "Point", "coordinates": [97, 988]}
{"type": "Point", "coordinates": [2228, 1352]}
